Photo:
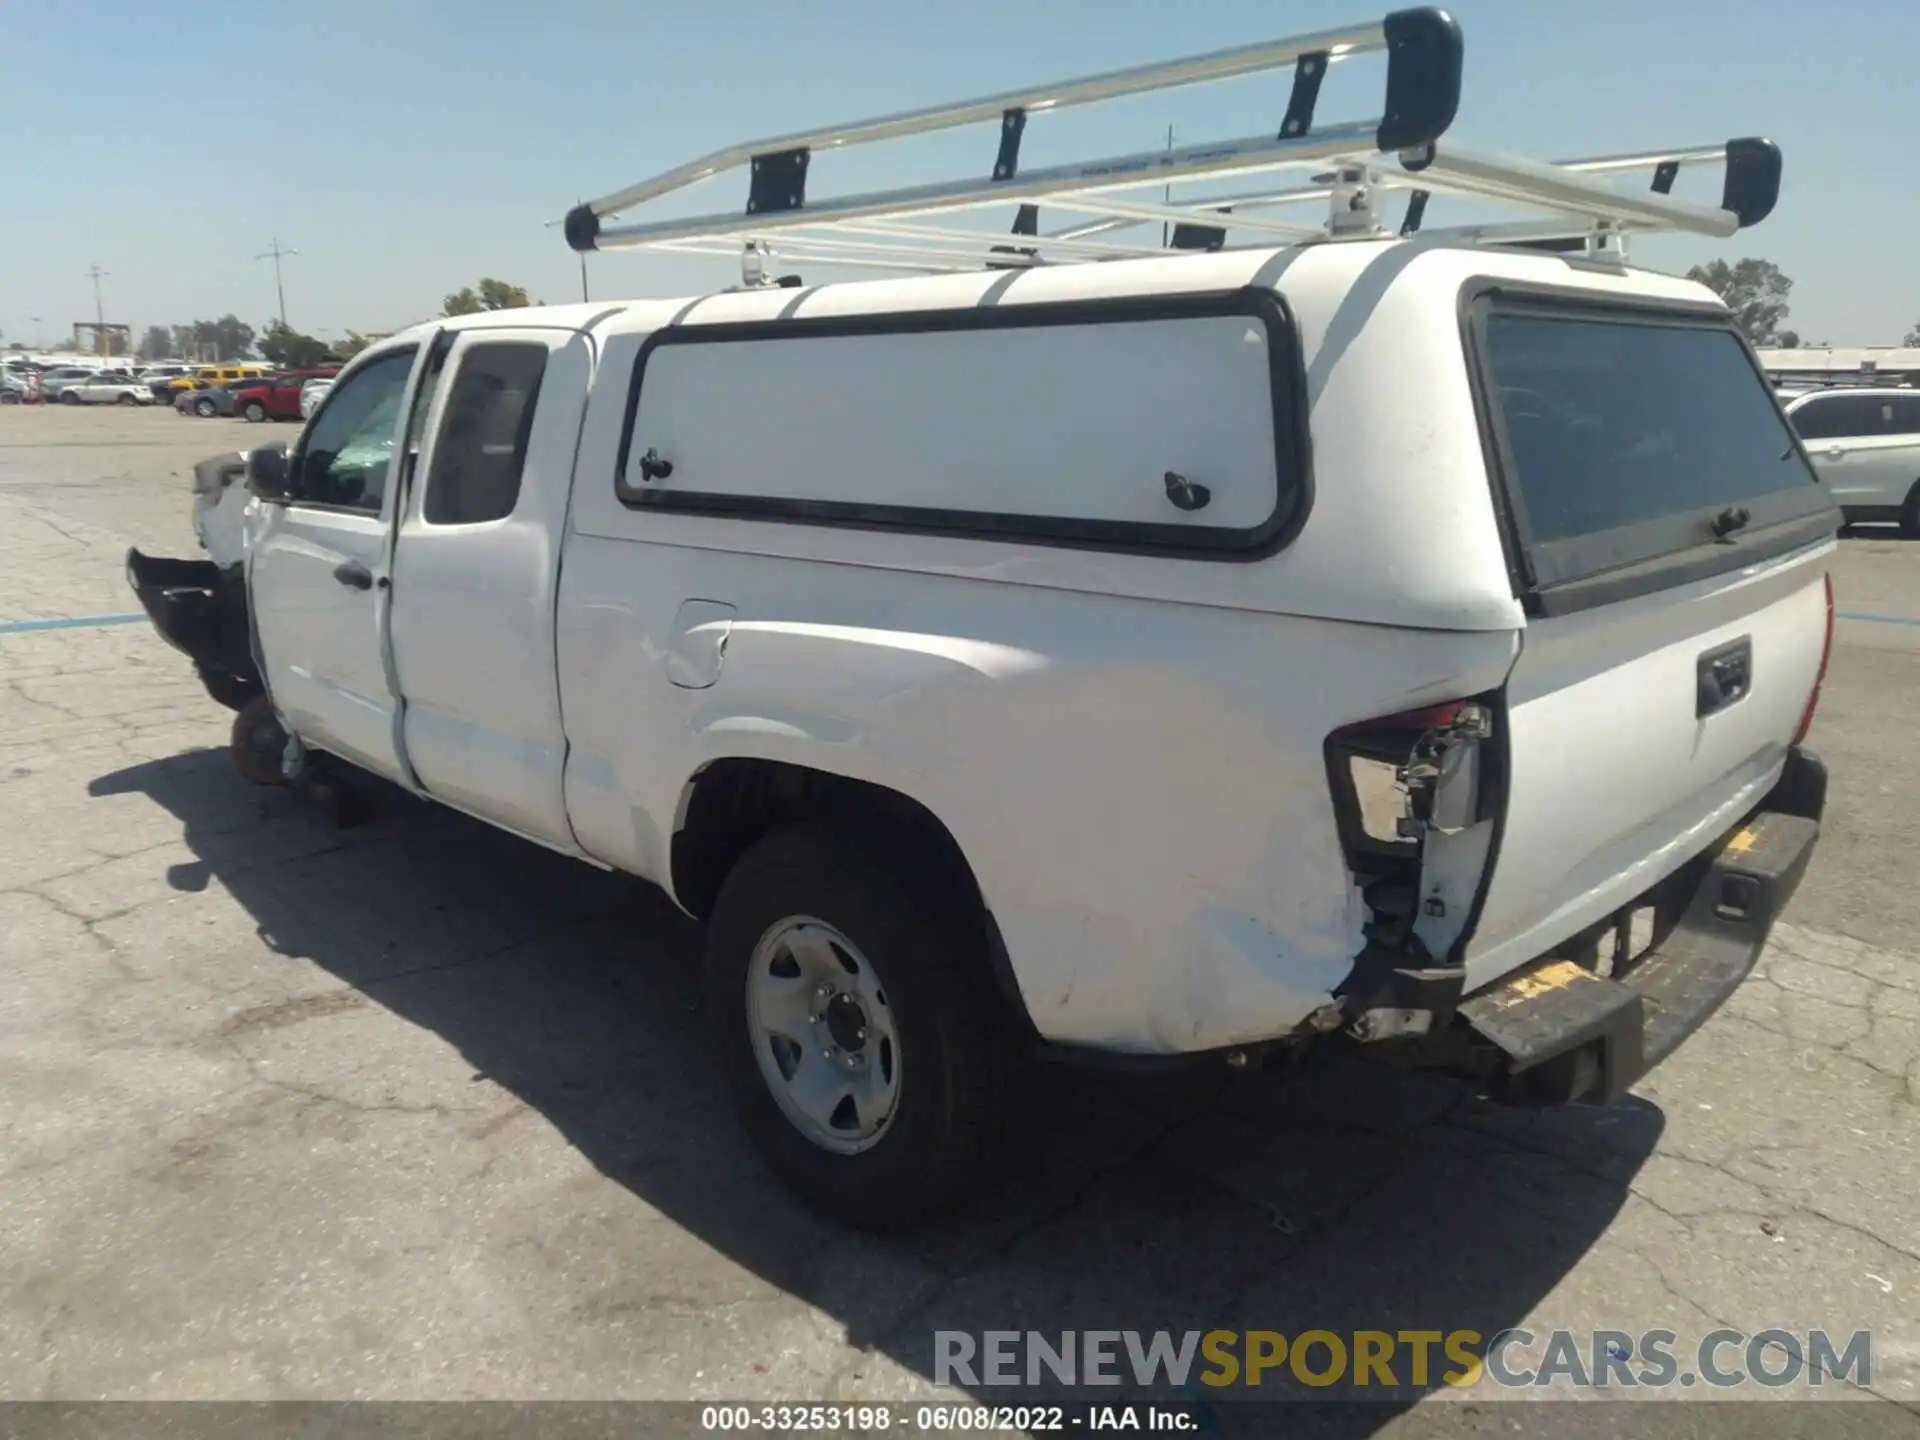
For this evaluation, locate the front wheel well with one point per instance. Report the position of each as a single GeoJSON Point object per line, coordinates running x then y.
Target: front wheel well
{"type": "Point", "coordinates": [732, 804]}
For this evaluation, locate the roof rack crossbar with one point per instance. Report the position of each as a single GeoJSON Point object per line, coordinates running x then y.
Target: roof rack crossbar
{"type": "Point", "coordinates": [1573, 203]}
{"type": "Point", "coordinates": [1572, 189]}
{"type": "Point", "coordinates": [1422, 93]}
{"type": "Point", "coordinates": [1246, 155]}
{"type": "Point", "coordinates": [1111, 85]}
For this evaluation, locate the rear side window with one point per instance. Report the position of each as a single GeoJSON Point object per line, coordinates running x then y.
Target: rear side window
{"type": "Point", "coordinates": [482, 445]}
{"type": "Point", "coordinates": [1627, 437]}
{"type": "Point", "coordinates": [1854, 417]}
{"type": "Point", "coordinates": [1834, 417]}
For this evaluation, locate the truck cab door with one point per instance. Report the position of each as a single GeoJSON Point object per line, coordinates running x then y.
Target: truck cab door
{"type": "Point", "coordinates": [318, 572]}
{"type": "Point", "coordinates": [476, 576]}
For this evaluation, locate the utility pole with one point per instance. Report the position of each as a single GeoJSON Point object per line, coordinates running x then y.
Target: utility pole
{"type": "Point", "coordinates": [99, 308]}
{"type": "Point", "coordinates": [1166, 197]}
{"type": "Point", "coordinates": [275, 255]}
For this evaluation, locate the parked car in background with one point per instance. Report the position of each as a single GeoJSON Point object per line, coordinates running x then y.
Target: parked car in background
{"type": "Point", "coordinates": [1866, 446]}
{"type": "Point", "coordinates": [103, 388]}
{"type": "Point", "coordinates": [13, 387]}
{"type": "Point", "coordinates": [278, 396]}
{"type": "Point", "coordinates": [220, 374]}
{"type": "Point", "coordinates": [61, 376]}
{"type": "Point", "coordinates": [311, 394]}
{"type": "Point", "coordinates": [212, 400]}
{"type": "Point", "coordinates": [163, 370]}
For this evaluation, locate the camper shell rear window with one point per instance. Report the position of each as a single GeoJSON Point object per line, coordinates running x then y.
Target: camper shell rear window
{"type": "Point", "coordinates": [1634, 447]}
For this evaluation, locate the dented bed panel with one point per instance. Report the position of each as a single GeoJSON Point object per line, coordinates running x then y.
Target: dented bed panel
{"type": "Point", "coordinates": [1140, 788]}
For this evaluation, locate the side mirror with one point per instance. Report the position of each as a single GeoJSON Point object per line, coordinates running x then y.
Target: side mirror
{"type": "Point", "coordinates": [268, 471]}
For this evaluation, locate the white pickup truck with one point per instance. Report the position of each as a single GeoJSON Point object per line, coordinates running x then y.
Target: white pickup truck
{"type": "Point", "coordinates": [1396, 642]}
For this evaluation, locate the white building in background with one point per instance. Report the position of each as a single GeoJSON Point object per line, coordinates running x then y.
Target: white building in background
{"type": "Point", "coordinates": [1861, 365]}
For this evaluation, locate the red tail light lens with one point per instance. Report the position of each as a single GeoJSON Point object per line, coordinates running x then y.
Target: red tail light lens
{"type": "Point", "coordinates": [1820, 676]}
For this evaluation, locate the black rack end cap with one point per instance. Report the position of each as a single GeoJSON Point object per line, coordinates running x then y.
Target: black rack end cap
{"type": "Point", "coordinates": [1197, 237]}
{"type": "Point", "coordinates": [1425, 56]}
{"type": "Point", "coordinates": [583, 228]}
{"type": "Point", "coordinates": [1753, 179]}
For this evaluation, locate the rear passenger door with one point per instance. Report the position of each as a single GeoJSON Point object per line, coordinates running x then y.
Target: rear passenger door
{"type": "Point", "coordinates": [475, 568]}
{"type": "Point", "coordinates": [1888, 455]}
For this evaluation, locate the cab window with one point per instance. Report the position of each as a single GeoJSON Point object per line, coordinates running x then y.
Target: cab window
{"type": "Point", "coordinates": [348, 448]}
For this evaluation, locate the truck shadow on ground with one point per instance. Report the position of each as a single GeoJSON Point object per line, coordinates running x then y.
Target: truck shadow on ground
{"type": "Point", "coordinates": [1343, 1197]}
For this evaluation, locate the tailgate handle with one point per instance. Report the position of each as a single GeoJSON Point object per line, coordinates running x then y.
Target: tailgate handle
{"type": "Point", "coordinates": [1724, 674]}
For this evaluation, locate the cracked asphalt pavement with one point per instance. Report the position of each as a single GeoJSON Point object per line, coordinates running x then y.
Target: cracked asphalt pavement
{"type": "Point", "coordinates": [415, 1110]}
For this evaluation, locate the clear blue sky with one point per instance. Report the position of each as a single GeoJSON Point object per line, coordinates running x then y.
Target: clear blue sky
{"type": "Point", "coordinates": [407, 148]}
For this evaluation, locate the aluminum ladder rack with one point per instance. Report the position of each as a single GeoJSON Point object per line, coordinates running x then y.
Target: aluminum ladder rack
{"type": "Point", "coordinates": [1352, 165]}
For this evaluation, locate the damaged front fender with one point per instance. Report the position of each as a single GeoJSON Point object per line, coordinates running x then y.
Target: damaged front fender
{"type": "Point", "coordinates": [200, 609]}
{"type": "Point", "coordinates": [221, 501]}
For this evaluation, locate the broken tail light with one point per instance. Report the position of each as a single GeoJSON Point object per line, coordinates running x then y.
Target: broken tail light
{"type": "Point", "coordinates": [1400, 784]}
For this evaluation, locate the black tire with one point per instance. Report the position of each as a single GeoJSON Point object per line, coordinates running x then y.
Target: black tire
{"type": "Point", "coordinates": [258, 742]}
{"type": "Point", "coordinates": [126, 400]}
{"type": "Point", "coordinates": [1910, 513]}
{"type": "Point", "coordinates": [255, 412]}
{"type": "Point", "coordinates": [205, 409]}
{"type": "Point", "coordinates": [72, 397]}
{"type": "Point", "coordinates": [956, 1058]}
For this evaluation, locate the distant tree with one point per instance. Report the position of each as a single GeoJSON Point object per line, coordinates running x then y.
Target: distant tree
{"type": "Point", "coordinates": [233, 336]}
{"type": "Point", "coordinates": [346, 349]}
{"type": "Point", "coordinates": [1913, 335]}
{"type": "Point", "coordinates": [1755, 290]}
{"type": "Point", "coordinates": [158, 344]}
{"type": "Point", "coordinates": [491, 294]}
{"type": "Point", "coordinates": [286, 347]}
{"type": "Point", "coordinates": [1788, 339]}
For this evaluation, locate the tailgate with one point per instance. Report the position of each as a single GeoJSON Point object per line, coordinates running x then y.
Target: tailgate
{"type": "Point", "coordinates": [1673, 544]}
{"type": "Point", "coordinates": [1617, 778]}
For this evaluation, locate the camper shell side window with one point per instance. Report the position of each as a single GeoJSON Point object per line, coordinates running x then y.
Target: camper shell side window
{"type": "Point", "coordinates": [1163, 425]}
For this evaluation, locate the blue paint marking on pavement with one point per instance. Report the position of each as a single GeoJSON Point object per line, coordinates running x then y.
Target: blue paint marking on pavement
{"type": "Point", "coordinates": [81, 622]}
{"type": "Point", "coordinates": [1877, 619]}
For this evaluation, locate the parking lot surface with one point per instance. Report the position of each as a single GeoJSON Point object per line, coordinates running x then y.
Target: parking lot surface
{"type": "Point", "coordinates": [415, 1110]}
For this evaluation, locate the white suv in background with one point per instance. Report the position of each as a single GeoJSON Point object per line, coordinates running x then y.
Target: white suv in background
{"type": "Point", "coordinates": [1866, 446]}
{"type": "Point", "coordinates": [312, 393]}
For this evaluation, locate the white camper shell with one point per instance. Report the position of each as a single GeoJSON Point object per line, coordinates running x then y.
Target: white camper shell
{"type": "Point", "coordinates": [1187, 657]}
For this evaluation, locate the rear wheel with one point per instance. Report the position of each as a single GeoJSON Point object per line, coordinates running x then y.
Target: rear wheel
{"type": "Point", "coordinates": [126, 400]}
{"type": "Point", "coordinates": [72, 397]}
{"type": "Point", "coordinates": [204, 409]}
{"type": "Point", "coordinates": [860, 1039]}
{"type": "Point", "coordinates": [255, 412]}
{"type": "Point", "coordinates": [1910, 513]}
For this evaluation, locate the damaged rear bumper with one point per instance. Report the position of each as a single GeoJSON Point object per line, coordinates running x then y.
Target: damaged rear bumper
{"type": "Point", "coordinates": [201, 611]}
{"type": "Point", "coordinates": [1556, 1031]}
